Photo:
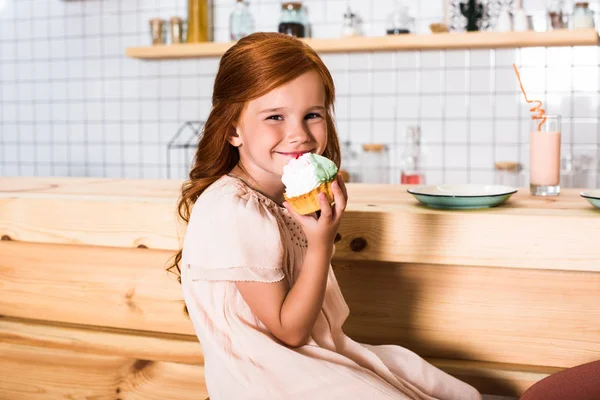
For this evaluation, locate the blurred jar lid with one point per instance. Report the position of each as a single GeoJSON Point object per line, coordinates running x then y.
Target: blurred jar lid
{"type": "Point", "coordinates": [291, 5]}
{"type": "Point", "coordinates": [373, 147]}
{"type": "Point", "coordinates": [507, 166]}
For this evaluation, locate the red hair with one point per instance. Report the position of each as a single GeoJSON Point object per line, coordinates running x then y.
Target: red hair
{"type": "Point", "coordinates": [251, 68]}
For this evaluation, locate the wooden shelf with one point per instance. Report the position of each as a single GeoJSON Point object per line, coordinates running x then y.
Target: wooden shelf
{"type": "Point", "coordinates": [438, 41]}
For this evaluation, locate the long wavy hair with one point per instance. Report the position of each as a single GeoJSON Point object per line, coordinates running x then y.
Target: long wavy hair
{"type": "Point", "coordinates": [251, 68]}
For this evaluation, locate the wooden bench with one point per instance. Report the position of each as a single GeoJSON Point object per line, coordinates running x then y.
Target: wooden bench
{"type": "Point", "coordinates": [499, 298]}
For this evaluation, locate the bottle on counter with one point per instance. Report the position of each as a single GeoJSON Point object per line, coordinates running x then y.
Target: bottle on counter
{"type": "Point", "coordinates": [199, 23]}
{"type": "Point", "coordinates": [241, 21]}
{"type": "Point", "coordinates": [293, 19]}
{"type": "Point", "coordinates": [412, 173]}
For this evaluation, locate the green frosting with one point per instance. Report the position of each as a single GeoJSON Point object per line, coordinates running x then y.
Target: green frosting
{"type": "Point", "coordinates": [325, 169]}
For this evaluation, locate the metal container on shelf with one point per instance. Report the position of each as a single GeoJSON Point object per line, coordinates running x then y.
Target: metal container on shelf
{"type": "Point", "coordinates": [157, 31]}
{"type": "Point", "coordinates": [199, 21]}
{"type": "Point", "coordinates": [176, 30]}
{"type": "Point", "coordinates": [375, 163]}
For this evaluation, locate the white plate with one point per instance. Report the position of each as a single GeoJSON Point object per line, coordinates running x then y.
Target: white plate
{"type": "Point", "coordinates": [593, 196]}
{"type": "Point", "coordinates": [462, 196]}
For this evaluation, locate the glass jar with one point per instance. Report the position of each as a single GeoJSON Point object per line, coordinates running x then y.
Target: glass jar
{"type": "Point", "coordinates": [508, 173]}
{"type": "Point", "coordinates": [241, 21]}
{"type": "Point", "coordinates": [374, 163]}
{"type": "Point", "coordinates": [583, 17]}
{"type": "Point", "coordinates": [399, 21]}
{"type": "Point", "coordinates": [176, 30]}
{"type": "Point", "coordinates": [293, 19]}
{"type": "Point", "coordinates": [555, 14]}
{"type": "Point", "coordinates": [157, 31]}
{"type": "Point", "coordinates": [578, 166]}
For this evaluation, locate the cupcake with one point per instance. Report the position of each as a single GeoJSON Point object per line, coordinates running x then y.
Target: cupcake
{"type": "Point", "coordinates": [304, 178]}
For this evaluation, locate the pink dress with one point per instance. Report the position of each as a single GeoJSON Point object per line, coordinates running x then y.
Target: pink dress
{"type": "Point", "coordinates": [237, 234]}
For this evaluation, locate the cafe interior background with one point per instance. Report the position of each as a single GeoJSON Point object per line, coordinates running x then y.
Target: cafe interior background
{"type": "Point", "coordinates": [73, 104]}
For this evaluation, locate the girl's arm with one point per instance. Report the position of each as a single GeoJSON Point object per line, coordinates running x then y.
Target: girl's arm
{"type": "Point", "coordinates": [290, 314]}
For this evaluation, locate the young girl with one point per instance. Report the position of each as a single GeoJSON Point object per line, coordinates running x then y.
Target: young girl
{"type": "Point", "coordinates": [256, 276]}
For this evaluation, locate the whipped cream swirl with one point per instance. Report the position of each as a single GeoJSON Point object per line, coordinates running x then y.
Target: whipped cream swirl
{"type": "Point", "coordinates": [305, 173]}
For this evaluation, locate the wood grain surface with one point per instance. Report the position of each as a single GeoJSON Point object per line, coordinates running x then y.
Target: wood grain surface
{"type": "Point", "coordinates": [500, 298]}
{"type": "Point", "coordinates": [532, 317]}
{"type": "Point", "coordinates": [544, 233]}
{"type": "Point", "coordinates": [36, 373]}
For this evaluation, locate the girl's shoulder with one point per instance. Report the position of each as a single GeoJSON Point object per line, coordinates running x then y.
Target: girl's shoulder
{"type": "Point", "coordinates": [223, 190]}
{"type": "Point", "coordinates": [229, 196]}
{"type": "Point", "coordinates": [233, 235]}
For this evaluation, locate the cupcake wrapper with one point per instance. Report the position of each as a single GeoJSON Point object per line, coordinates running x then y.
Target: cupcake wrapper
{"type": "Point", "coordinates": [309, 202]}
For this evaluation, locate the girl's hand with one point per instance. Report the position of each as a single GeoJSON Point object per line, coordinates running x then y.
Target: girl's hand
{"type": "Point", "coordinates": [322, 230]}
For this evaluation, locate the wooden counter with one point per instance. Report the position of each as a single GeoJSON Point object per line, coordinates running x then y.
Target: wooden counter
{"type": "Point", "coordinates": [499, 297]}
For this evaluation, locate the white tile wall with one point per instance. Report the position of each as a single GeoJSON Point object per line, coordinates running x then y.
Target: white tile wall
{"type": "Point", "coordinates": [71, 103]}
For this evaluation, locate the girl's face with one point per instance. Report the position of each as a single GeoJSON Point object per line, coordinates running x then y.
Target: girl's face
{"type": "Point", "coordinates": [285, 123]}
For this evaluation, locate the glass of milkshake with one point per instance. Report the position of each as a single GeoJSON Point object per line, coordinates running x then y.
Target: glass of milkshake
{"type": "Point", "coordinates": [544, 156]}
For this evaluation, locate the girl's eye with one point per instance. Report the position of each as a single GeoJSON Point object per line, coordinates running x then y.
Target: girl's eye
{"type": "Point", "coordinates": [313, 116]}
{"type": "Point", "coordinates": [275, 117]}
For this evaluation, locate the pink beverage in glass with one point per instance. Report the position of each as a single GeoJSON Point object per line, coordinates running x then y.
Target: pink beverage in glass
{"type": "Point", "coordinates": [544, 153]}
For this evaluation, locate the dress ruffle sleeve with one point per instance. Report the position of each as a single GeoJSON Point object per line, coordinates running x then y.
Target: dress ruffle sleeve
{"type": "Point", "coordinates": [232, 236]}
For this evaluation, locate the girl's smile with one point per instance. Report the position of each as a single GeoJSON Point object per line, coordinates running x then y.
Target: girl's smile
{"type": "Point", "coordinates": [294, 154]}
